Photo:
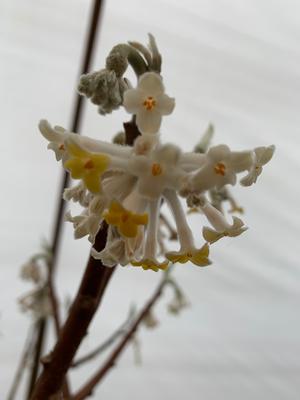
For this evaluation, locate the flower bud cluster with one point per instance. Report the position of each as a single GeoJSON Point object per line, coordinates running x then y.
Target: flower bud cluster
{"type": "Point", "coordinates": [126, 186]}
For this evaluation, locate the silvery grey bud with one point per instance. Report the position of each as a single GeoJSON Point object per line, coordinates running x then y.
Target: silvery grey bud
{"type": "Point", "coordinates": [104, 89]}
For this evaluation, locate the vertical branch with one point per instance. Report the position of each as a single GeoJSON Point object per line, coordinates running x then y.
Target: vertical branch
{"type": "Point", "coordinates": [40, 327]}
{"type": "Point", "coordinates": [75, 126]}
{"type": "Point", "coordinates": [87, 300]}
{"type": "Point", "coordinates": [22, 364]}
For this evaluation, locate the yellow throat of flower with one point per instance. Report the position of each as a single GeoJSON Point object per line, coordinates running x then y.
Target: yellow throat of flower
{"type": "Point", "coordinates": [220, 169]}
{"type": "Point", "coordinates": [156, 169]}
{"type": "Point", "coordinates": [149, 103]}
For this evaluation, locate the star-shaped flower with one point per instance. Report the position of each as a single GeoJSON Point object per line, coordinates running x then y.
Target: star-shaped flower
{"type": "Point", "coordinates": [220, 168]}
{"type": "Point", "coordinates": [148, 102]}
{"type": "Point", "coordinates": [126, 221]}
{"type": "Point", "coordinates": [86, 166]}
{"type": "Point", "coordinates": [157, 171]}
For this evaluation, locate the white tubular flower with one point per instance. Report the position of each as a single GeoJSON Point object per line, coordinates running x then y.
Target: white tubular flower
{"type": "Point", "coordinates": [59, 138]}
{"type": "Point", "coordinates": [262, 156]}
{"type": "Point", "coordinates": [149, 260]}
{"type": "Point", "coordinates": [117, 185]}
{"type": "Point", "coordinates": [148, 102]}
{"type": "Point", "coordinates": [221, 226]}
{"type": "Point", "coordinates": [220, 168]}
{"type": "Point", "coordinates": [188, 251]}
{"type": "Point", "coordinates": [157, 172]}
{"type": "Point", "coordinates": [56, 137]}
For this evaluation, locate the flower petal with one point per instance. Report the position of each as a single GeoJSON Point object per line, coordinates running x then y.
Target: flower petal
{"type": "Point", "coordinates": [200, 257]}
{"type": "Point", "coordinates": [75, 150]}
{"type": "Point", "coordinates": [210, 235]}
{"type": "Point", "coordinates": [151, 84]}
{"type": "Point", "coordinates": [128, 229]}
{"type": "Point", "coordinates": [175, 257]}
{"type": "Point", "coordinates": [218, 153]}
{"type": "Point", "coordinates": [140, 219]}
{"type": "Point", "coordinates": [165, 104]}
{"type": "Point", "coordinates": [74, 165]}
{"type": "Point", "coordinates": [148, 121]}
{"type": "Point", "coordinates": [133, 100]}
{"type": "Point", "coordinates": [92, 182]}
{"type": "Point", "coordinates": [264, 154]}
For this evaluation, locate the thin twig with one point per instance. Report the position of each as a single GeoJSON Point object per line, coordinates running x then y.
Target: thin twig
{"type": "Point", "coordinates": [88, 388]}
{"type": "Point", "coordinates": [54, 304]}
{"type": "Point", "coordinates": [106, 344]}
{"type": "Point", "coordinates": [40, 326]}
{"type": "Point", "coordinates": [22, 364]}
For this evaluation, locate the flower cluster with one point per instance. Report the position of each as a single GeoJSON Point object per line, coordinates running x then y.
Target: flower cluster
{"type": "Point", "coordinates": [126, 186]}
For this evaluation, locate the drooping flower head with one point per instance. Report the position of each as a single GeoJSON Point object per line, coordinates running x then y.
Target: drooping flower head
{"type": "Point", "coordinates": [127, 186]}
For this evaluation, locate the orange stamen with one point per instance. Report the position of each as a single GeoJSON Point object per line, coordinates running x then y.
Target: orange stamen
{"type": "Point", "coordinates": [149, 103]}
{"type": "Point", "coordinates": [220, 169]}
{"type": "Point", "coordinates": [89, 164]}
{"type": "Point", "coordinates": [156, 169]}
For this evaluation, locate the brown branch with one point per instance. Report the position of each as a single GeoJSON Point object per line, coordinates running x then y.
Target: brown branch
{"type": "Point", "coordinates": [54, 304]}
{"type": "Point", "coordinates": [40, 326]}
{"type": "Point", "coordinates": [88, 388]}
{"type": "Point", "coordinates": [89, 295]}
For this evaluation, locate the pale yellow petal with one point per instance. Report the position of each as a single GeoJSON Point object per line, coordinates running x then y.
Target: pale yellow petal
{"type": "Point", "coordinates": [210, 235]}
{"type": "Point", "coordinates": [74, 165]}
{"type": "Point", "coordinates": [128, 229]}
{"type": "Point", "coordinates": [92, 182]}
{"type": "Point", "coordinates": [77, 151]}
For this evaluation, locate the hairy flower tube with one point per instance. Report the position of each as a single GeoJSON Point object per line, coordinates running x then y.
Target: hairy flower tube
{"type": "Point", "coordinates": [127, 186]}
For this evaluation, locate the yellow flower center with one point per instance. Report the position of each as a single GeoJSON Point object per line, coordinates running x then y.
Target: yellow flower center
{"type": "Point", "coordinates": [156, 169]}
{"type": "Point", "coordinates": [89, 164]}
{"type": "Point", "coordinates": [127, 222]}
{"type": "Point", "coordinates": [149, 103]}
{"type": "Point", "coordinates": [220, 169]}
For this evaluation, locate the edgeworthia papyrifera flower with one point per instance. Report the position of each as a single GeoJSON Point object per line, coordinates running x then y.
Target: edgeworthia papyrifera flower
{"type": "Point", "coordinates": [126, 186]}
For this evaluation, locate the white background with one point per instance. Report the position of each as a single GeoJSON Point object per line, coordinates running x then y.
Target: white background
{"type": "Point", "coordinates": [235, 63]}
